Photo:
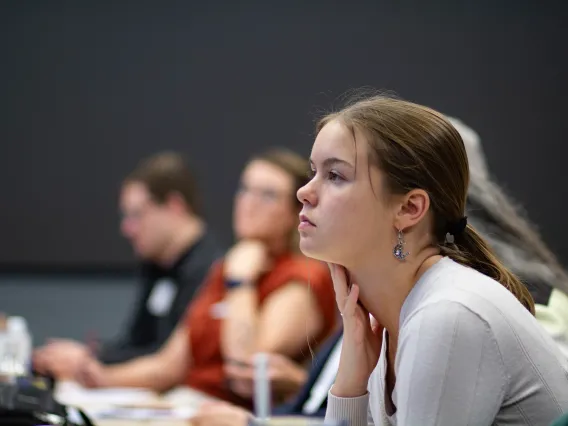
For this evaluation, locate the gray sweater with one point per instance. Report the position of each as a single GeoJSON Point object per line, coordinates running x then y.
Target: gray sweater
{"type": "Point", "coordinates": [468, 354]}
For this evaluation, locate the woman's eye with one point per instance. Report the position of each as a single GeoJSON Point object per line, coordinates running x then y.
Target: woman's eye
{"type": "Point", "coordinates": [333, 176]}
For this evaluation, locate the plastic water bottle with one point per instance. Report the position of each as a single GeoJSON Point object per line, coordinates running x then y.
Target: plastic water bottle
{"type": "Point", "coordinates": [262, 390]}
{"type": "Point", "coordinates": [19, 342]}
{"type": "Point", "coordinates": [2, 332]}
{"type": "Point", "coordinates": [4, 356]}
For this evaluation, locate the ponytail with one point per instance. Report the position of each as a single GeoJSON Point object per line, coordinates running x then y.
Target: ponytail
{"type": "Point", "coordinates": [470, 249]}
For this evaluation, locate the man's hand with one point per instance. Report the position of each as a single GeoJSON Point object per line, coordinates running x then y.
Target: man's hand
{"type": "Point", "coordinates": [92, 374]}
{"type": "Point", "coordinates": [60, 358]}
{"type": "Point", "coordinates": [246, 261]}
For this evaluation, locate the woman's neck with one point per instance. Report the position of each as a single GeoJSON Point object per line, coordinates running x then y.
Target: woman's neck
{"type": "Point", "coordinates": [277, 247]}
{"type": "Point", "coordinates": [384, 288]}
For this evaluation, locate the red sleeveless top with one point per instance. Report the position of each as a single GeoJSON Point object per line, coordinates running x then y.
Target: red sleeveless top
{"type": "Point", "coordinates": [206, 371]}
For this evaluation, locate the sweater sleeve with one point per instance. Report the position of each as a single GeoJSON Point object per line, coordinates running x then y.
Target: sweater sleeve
{"type": "Point", "coordinates": [353, 410]}
{"type": "Point", "coordinates": [449, 372]}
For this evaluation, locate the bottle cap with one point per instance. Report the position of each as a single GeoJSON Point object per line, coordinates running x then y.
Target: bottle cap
{"type": "Point", "coordinates": [2, 322]}
{"type": "Point", "coordinates": [16, 324]}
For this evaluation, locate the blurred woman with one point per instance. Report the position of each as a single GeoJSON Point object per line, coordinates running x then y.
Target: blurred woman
{"type": "Point", "coordinates": [263, 296]}
{"type": "Point", "coordinates": [515, 241]}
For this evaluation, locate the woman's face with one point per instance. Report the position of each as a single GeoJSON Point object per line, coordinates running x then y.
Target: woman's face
{"type": "Point", "coordinates": [345, 215]}
{"type": "Point", "coordinates": [264, 207]}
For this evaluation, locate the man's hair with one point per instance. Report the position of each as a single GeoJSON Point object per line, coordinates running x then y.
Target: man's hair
{"type": "Point", "coordinates": [164, 174]}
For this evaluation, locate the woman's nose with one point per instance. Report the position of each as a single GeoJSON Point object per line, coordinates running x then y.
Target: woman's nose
{"type": "Point", "coordinates": [307, 194]}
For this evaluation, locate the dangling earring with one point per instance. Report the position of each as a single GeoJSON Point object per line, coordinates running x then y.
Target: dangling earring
{"type": "Point", "coordinates": [398, 250]}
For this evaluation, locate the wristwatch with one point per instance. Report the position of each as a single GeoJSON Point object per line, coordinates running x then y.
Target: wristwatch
{"type": "Point", "coordinates": [231, 284]}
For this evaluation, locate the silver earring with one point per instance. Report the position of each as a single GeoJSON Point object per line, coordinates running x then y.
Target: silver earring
{"type": "Point", "coordinates": [398, 250]}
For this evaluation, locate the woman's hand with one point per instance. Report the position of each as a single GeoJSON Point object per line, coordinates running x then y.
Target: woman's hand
{"type": "Point", "coordinates": [246, 261]}
{"type": "Point", "coordinates": [286, 377]}
{"type": "Point", "coordinates": [362, 339]}
{"type": "Point", "coordinates": [220, 414]}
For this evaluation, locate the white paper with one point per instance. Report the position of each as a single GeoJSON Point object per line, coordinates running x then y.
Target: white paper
{"type": "Point", "coordinates": [74, 394]}
{"type": "Point", "coordinates": [132, 403]}
{"type": "Point", "coordinates": [131, 413]}
{"type": "Point", "coordinates": [186, 397]}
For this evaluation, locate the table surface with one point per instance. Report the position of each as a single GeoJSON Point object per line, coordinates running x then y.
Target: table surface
{"type": "Point", "coordinates": [143, 422]}
{"type": "Point", "coordinates": [278, 421]}
{"type": "Point", "coordinates": [72, 394]}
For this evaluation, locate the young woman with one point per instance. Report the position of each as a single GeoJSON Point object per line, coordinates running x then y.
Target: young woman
{"type": "Point", "coordinates": [245, 303]}
{"type": "Point", "coordinates": [452, 339]}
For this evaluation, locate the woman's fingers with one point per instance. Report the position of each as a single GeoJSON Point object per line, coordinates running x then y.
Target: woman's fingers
{"type": "Point", "coordinates": [243, 388]}
{"type": "Point", "coordinates": [211, 406]}
{"type": "Point", "coordinates": [346, 293]}
{"type": "Point", "coordinates": [350, 307]}
{"type": "Point", "coordinates": [375, 326]}
{"type": "Point", "coordinates": [340, 284]}
{"type": "Point", "coordinates": [239, 372]}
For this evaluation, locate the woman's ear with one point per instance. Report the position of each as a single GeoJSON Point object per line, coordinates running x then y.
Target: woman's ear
{"type": "Point", "coordinates": [412, 208]}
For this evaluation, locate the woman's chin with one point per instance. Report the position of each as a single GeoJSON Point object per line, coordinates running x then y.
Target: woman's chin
{"type": "Point", "coordinates": [309, 249]}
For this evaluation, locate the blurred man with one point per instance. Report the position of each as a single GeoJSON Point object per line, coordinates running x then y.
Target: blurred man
{"type": "Point", "coordinates": [161, 219]}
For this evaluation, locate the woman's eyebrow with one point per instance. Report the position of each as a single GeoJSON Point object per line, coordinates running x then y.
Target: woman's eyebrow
{"type": "Point", "coordinates": [331, 161]}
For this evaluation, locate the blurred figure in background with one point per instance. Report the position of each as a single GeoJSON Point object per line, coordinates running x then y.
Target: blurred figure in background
{"type": "Point", "coordinates": [515, 241]}
{"type": "Point", "coordinates": [262, 297]}
{"type": "Point", "coordinates": [161, 218]}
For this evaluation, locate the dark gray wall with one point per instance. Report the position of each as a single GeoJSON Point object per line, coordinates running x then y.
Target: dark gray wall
{"type": "Point", "coordinates": [69, 306]}
{"type": "Point", "coordinates": [88, 88]}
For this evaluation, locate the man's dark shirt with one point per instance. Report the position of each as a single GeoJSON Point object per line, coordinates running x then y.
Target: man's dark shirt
{"type": "Point", "coordinates": [163, 298]}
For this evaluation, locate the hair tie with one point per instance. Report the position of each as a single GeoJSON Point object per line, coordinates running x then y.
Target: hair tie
{"type": "Point", "coordinates": [457, 227]}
